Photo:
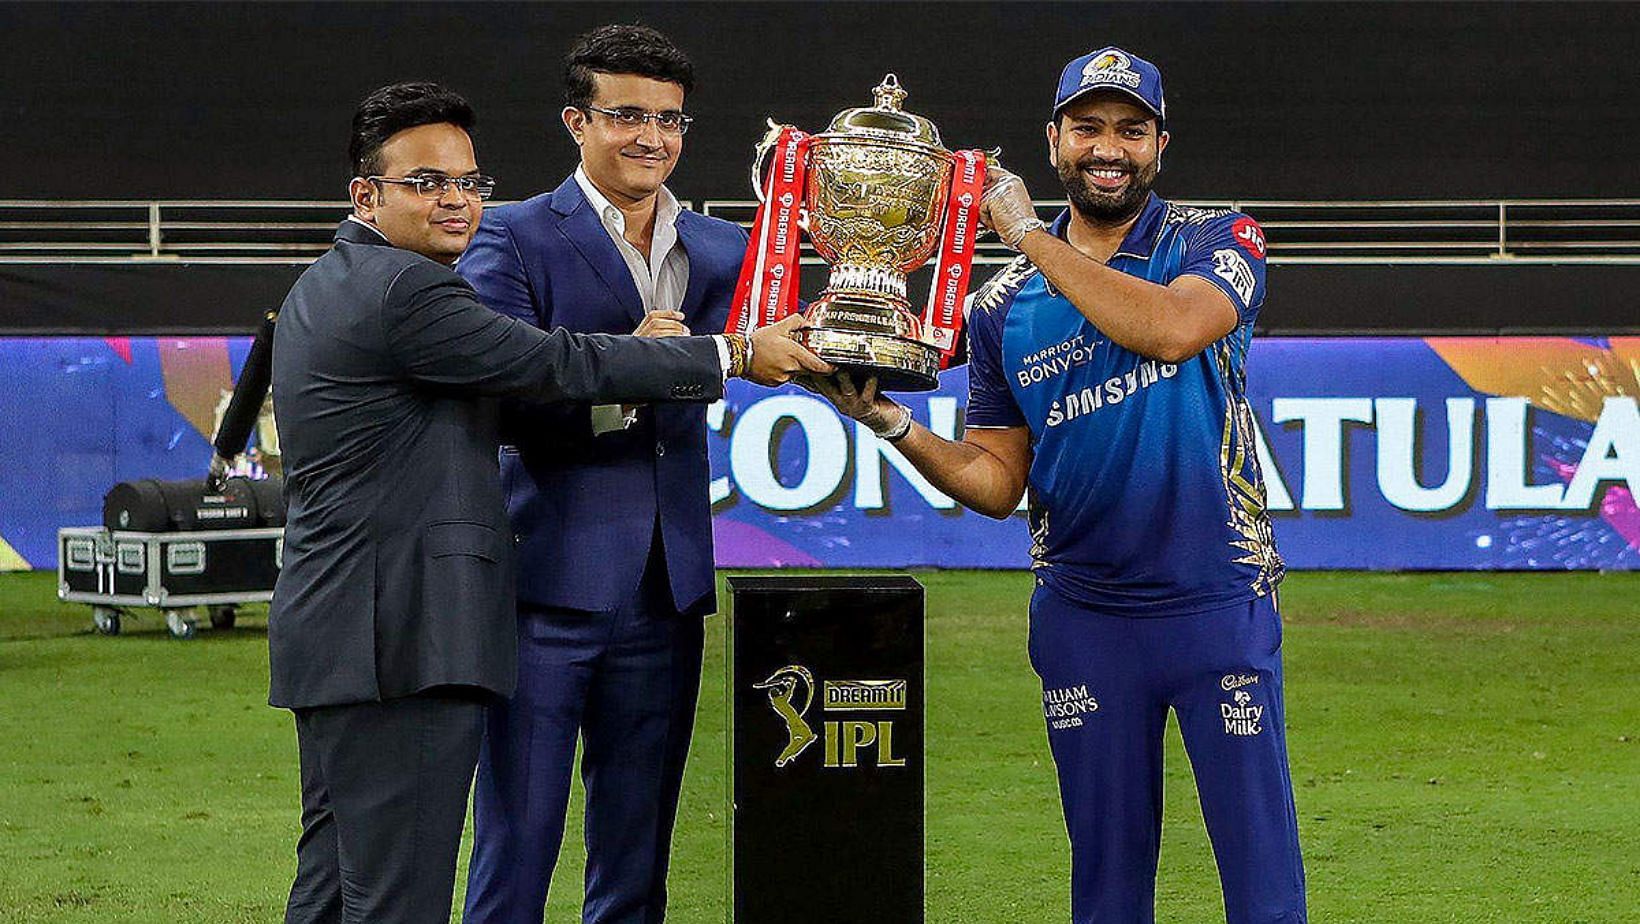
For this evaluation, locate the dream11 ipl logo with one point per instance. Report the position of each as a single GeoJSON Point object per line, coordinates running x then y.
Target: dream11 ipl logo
{"type": "Point", "coordinates": [791, 693]}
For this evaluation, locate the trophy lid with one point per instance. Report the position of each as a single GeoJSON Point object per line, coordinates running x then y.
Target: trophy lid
{"type": "Point", "coordinates": [885, 119]}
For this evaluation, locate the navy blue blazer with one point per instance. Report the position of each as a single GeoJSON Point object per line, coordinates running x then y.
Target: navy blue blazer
{"type": "Point", "coordinates": [584, 508]}
{"type": "Point", "coordinates": [398, 569]}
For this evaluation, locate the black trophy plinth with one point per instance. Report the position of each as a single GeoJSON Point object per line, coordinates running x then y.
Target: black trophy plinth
{"type": "Point", "coordinates": [826, 741]}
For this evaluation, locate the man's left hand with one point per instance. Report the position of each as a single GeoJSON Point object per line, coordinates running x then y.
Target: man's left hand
{"type": "Point", "coordinates": [662, 323]}
{"type": "Point", "coordinates": [879, 413]}
{"type": "Point", "coordinates": [1006, 207]}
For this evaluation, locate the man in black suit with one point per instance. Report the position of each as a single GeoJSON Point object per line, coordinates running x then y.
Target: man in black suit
{"type": "Point", "coordinates": [392, 625]}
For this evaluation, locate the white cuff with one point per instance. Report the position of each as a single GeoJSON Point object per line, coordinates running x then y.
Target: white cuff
{"type": "Point", "coordinates": [723, 354]}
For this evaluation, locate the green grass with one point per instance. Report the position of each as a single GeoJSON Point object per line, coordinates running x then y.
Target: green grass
{"type": "Point", "coordinates": [1463, 748]}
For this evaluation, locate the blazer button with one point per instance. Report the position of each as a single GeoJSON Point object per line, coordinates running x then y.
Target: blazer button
{"type": "Point", "coordinates": [660, 448]}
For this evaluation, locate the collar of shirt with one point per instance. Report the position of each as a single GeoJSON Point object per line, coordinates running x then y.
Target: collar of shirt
{"type": "Point", "coordinates": [1140, 239]}
{"type": "Point", "coordinates": [614, 220]}
{"type": "Point", "coordinates": [663, 276]}
{"type": "Point", "coordinates": [357, 219]}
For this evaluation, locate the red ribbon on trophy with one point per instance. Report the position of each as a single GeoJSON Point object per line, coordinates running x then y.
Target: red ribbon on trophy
{"type": "Point", "coordinates": [942, 318]}
{"type": "Point", "coordinates": [767, 289]}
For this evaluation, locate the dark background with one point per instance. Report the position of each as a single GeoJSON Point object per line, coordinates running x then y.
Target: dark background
{"type": "Point", "coordinates": [1268, 101]}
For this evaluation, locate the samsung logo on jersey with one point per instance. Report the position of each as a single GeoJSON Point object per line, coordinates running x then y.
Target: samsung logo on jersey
{"type": "Point", "coordinates": [1113, 390]}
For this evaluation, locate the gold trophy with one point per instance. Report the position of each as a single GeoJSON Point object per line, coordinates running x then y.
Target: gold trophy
{"type": "Point", "coordinates": [873, 203]}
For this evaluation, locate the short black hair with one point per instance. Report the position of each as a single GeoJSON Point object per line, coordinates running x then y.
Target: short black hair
{"type": "Point", "coordinates": [623, 49]}
{"type": "Point", "coordinates": [396, 107]}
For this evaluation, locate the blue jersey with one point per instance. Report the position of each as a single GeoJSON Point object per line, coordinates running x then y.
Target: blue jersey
{"type": "Point", "coordinates": [1145, 492]}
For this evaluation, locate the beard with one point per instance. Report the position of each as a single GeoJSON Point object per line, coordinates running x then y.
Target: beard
{"type": "Point", "coordinates": [1102, 207]}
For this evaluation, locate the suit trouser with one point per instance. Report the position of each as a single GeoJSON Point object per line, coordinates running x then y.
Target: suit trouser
{"type": "Point", "coordinates": [384, 796]}
{"type": "Point", "coordinates": [625, 682]}
{"type": "Point", "coordinates": [1107, 684]}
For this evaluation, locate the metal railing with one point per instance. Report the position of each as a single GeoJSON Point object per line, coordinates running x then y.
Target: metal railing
{"type": "Point", "coordinates": [278, 231]}
{"type": "Point", "coordinates": [297, 231]}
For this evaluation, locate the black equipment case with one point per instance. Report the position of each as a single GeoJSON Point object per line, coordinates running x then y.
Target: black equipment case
{"type": "Point", "coordinates": [176, 572]}
{"type": "Point", "coordinates": [175, 546]}
{"type": "Point", "coordinates": [153, 506]}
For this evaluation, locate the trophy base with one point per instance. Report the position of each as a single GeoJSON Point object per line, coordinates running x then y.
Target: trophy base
{"type": "Point", "coordinates": [899, 364]}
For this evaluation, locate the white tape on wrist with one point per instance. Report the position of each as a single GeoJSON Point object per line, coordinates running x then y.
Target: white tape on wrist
{"type": "Point", "coordinates": [896, 431]}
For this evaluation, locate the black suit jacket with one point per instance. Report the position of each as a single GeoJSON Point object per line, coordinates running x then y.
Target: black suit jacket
{"type": "Point", "coordinates": [398, 567]}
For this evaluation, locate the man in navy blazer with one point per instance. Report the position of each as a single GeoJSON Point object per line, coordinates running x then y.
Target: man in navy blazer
{"type": "Point", "coordinates": [609, 503]}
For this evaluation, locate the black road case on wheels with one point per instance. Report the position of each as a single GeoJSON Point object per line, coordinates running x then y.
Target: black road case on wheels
{"type": "Point", "coordinates": [180, 573]}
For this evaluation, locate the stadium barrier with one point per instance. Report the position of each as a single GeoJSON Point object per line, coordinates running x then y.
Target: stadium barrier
{"type": "Point", "coordinates": [294, 231]}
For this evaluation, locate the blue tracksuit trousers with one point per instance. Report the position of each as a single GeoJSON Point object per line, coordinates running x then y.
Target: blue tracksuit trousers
{"type": "Point", "coordinates": [1107, 684]}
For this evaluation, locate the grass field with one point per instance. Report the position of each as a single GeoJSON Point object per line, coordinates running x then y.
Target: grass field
{"type": "Point", "coordinates": [1463, 749]}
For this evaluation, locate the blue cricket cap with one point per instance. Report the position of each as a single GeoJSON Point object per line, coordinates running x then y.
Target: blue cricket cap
{"type": "Point", "coordinates": [1111, 68]}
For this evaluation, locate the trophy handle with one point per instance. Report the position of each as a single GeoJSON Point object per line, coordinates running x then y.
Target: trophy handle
{"type": "Point", "coordinates": [763, 148]}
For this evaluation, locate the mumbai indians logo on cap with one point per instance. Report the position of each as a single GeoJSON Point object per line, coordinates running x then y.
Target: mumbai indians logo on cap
{"type": "Point", "coordinates": [1111, 67]}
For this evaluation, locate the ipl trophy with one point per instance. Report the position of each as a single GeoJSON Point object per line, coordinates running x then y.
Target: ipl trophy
{"type": "Point", "coordinates": [878, 195]}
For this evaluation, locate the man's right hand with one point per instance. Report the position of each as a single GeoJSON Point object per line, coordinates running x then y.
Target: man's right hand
{"type": "Point", "coordinates": [777, 357]}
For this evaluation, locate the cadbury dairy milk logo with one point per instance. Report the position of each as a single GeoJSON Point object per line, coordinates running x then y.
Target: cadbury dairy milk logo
{"type": "Point", "coordinates": [1243, 716]}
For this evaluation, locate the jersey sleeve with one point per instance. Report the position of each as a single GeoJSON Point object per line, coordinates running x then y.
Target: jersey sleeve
{"type": "Point", "coordinates": [1229, 253]}
{"type": "Point", "coordinates": [990, 402]}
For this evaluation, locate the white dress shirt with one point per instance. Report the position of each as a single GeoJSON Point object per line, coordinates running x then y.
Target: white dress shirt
{"type": "Point", "coordinates": [661, 279]}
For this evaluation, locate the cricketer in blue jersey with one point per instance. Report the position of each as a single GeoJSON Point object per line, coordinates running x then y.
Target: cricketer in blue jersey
{"type": "Point", "coordinates": [1107, 372]}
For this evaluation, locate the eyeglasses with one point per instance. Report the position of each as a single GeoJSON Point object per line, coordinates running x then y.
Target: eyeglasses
{"type": "Point", "coordinates": [671, 121]}
{"type": "Point", "coordinates": [433, 185]}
